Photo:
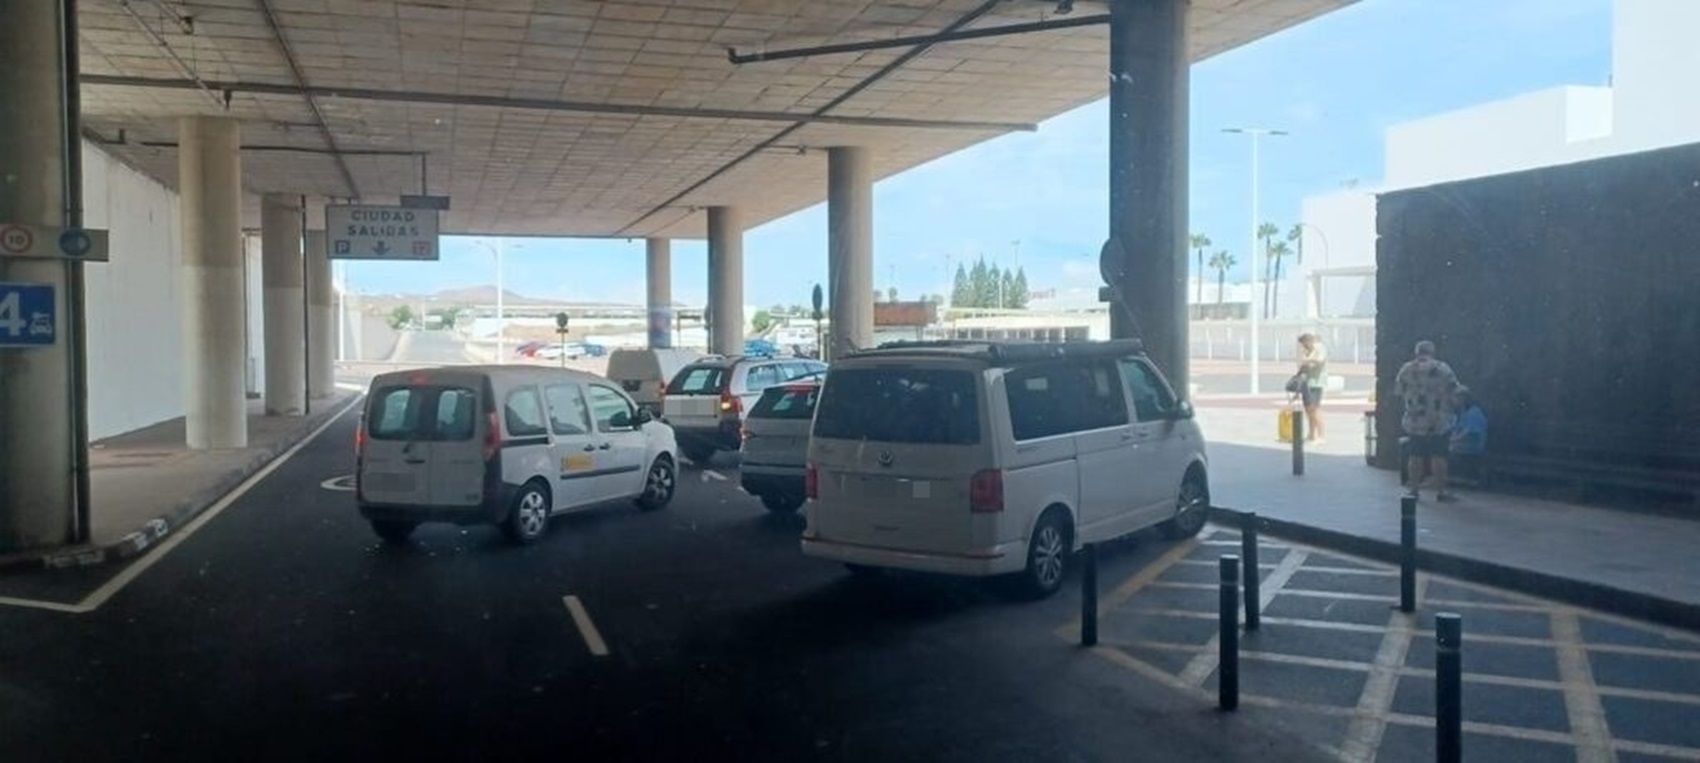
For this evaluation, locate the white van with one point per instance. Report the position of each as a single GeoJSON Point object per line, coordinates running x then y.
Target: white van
{"type": "Point", "coordinates": [644, 373]}
{"type": "Point", "coordinates": [976, 458]}
{"type": "Point", "coordinates": [507, 445]}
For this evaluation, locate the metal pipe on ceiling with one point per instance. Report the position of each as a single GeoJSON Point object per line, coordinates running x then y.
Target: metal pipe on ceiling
{"type": "Point", "coordinates": [312, 102]}
{"type": "Point", "coordinates": [895, 64]}
{"type": "Point", "coordinates": [735, 57]}
{"type": "Point", "coordinates": [540, 104]}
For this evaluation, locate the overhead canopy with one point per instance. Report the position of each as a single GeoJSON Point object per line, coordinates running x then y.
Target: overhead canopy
{"type": "Point", "coordinates": [592, 117]}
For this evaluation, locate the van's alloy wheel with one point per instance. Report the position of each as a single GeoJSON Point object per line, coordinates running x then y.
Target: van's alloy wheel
{"type": "Point", "coordinates": [1192, 509]}
{"type": "Point", "coordinates": [659, 485]}
{"type": "Point", "coordinates": [1047, 558]}
{"type": "Point", "coordinates": [530, 514]}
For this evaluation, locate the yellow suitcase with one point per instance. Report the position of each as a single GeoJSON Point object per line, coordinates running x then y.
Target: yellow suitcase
{"type": "Point", "coordinates": [1284, 425]}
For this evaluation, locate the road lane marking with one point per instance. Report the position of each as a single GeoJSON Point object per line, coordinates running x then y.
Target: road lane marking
{"type": "Point", "coordinates": [111, 587]}
{"type": "Point", "coordinates": [714, 475]}
{"type": "Point", "coordinates": [586, 628]}
{"type": "Point", "coordinates": [54, 606]}
{"type": "Point", "coordinates": [1582, 703]}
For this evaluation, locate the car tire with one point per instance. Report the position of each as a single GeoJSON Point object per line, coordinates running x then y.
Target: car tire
{"type": "Point", "coordinates": [659, 485]}
{"type": "Point", "coordinates": [1192, 509]}
{"type": "Point", "coordinates": [393, 531]}
{"type": "Point", "coordinates": [528, 516]}
{"type": "Point", "coordinates": [1048, 552]}
{"type": "Point", "coordinates": [698, 453]}
{"type": "Point", "coordinates": [782, 504]}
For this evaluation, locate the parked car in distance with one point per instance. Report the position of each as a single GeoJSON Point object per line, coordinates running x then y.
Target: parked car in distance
{"type": "Point", "coordinates": [644, 373]}
{"type": "Point", "coordinates": [505, 445]}
{"type": "Point", "coordinates": [982, 459]}
{"type": "Point", "coordinates": [556, 350]}
{"type": "Point", "coordinates": [776, 445]}
{"type": "Point", "coordinates": [706, 400]}
{"type": "Point", "coordinates": [594, 350]}
{"type": "Point", "coordinates": [528, 349]}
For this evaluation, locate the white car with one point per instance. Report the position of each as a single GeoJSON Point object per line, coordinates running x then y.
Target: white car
{"type": "Point", "coordinates": [776, 445]}
{"type": "Point", "coordinates": [644, 373]}
{"type": "Point", "coordinates": [506, 445]}
{"type": "Point", "coordinates": [998, 459]}
{"type": "Point", "coordinates": [554, 351]}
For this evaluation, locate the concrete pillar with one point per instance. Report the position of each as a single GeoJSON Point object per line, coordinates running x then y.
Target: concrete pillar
{"type": "Point", "coordinates": [209, 175]}
{"type": "Point", "coordinates": [1149, 81]}
{"type": "Point", "coordinates": [37, 484]}
{"type": "Point", "coordinates": [725, 281]}
{"type": "Point", "coordinates": [321, 318]}
{"type": "Point", "coordinates": [281, 278]}
{"type": "Point", "coordinates": [849, 250]}
{"type": "Point", "coordinates": [659, 277]}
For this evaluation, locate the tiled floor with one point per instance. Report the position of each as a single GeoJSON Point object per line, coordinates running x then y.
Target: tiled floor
{"type": "Point", "coordinates": [1542, 681]}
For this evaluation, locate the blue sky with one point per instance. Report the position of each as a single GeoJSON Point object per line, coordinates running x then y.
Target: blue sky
{"type": "Point", "coordinates": [1336, 83]}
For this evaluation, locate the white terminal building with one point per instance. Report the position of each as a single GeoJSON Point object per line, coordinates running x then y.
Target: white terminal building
{"type": "Point", "coordinates": [1653, 101]}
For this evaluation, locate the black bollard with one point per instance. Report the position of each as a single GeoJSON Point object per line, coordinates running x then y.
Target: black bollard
{"type": "Point", "coordinates": [1089, 597]}
{"type": "Point", "coordinates": [1408, 554]}
{"type": "Point", "coordinates": [1448, 687]}
{"type": "Point", "coordinates": [1248, 551]}
{"type": "Point", "coordinates": [1228, 656]}
{"type": "Point", "coordinates": [1298, 442]}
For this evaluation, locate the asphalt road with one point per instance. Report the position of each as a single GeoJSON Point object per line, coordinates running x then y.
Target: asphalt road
{"type": "Point", "coordinates": [283, 629]}
{"type": "Point", "coordinates": [431, 347]}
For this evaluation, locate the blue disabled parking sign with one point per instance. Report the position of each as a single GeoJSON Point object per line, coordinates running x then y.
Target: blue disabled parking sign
{"type": "Point", "coordinates": [27, 315]}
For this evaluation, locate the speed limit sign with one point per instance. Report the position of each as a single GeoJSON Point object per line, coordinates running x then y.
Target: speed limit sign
{"type": "Point", "coordinates": [16, 239]}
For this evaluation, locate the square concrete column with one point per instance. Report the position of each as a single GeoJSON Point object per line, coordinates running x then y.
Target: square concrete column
{"type": "Point", "coordinates": [1146, 256]}
{"type": "Point", "coordinates": [37, 485]}
{"type": "Point", "coordinates": [209, 176]}
{"type": "Point", "coordinates": [849, 250]}
{"type": "Point", "coordinates": [281, 278]}
{"type": "Point", "coordinates": [725, 281]}
{"type": "Point", "coordinates": [658, 262]}
{"type": "Point", "coordinates": [321, 318]}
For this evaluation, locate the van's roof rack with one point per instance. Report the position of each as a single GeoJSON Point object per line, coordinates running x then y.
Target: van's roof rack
{"type": "Point", "coordinates": [1011, 351]}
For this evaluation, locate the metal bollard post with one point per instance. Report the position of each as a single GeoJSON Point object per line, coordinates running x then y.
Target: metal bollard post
{"type": "Point", "coordinates": [1408, 554]}
{"type": "Point", "coordinates": [1248, 551]}
{"type": "Point", "coordinates": [1298, 442]}
{"type": "Point", "coordinates": [1089, 597]}
{"type": "Point", "coordinates": [1228, 655]}
{"type": "Point", "coordinates": [1448, 687]}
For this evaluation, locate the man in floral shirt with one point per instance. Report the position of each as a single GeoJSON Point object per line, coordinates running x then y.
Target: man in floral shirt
{"type": "Point", "coordinates": [1426, 385]}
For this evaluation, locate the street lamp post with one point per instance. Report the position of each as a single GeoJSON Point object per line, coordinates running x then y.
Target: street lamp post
{"type": "Point", "coordinates": [501, 316]}
{"type": "Point", "coordinates": [1256, 134]}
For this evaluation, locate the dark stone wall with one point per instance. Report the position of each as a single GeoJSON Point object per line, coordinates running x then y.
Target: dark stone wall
{"type": "Point", "coordinates": [1567, 298]}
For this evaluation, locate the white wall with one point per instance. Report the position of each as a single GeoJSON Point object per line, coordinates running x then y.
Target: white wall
{"type": "Point", "coordinates": [1530, 130]}
{"type": "Point", "coordinates": [1339, 231]}
{"type": "Point", "coordinates": [134, 301]}
{"type": "Point", "coordinates": [1656, 73]}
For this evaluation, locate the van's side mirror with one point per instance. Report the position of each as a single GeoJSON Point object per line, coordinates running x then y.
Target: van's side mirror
{"type": "Point", "coordinates": [645, 416]}
{"type": "Point", "coordinates": [621, 420]}
{"type": "Point", "coordinates": [1183, 409]}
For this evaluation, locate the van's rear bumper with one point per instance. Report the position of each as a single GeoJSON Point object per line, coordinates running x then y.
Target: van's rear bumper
{"type": "Point", "coordinates": [723, 434]}
{"type": "Point", "coordinates": [995, 560]}
{"type": "Point", "coordinates": [764, 479]}
{"type": "Point", "coordinates": [483, 513]}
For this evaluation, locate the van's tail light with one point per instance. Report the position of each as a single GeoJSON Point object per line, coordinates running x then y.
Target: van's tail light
{"type": "Point", "coordinates": [811, 483]}
{"type": "Point", "coordinates": [360, 440]}
{"type": "Point", "coordinates": [729, 403]}
{"type": "Point", "coordinates": [492, 436]}
{"type": "Point", "coordinates": [985, 491]}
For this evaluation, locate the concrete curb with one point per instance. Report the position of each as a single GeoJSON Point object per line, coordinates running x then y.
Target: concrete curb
{"type": "Point", "coordinates": [1634, 604]}
{"type": "Point", "coordinates": [155, 530]}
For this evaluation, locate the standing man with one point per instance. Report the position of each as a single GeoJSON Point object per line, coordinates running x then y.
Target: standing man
{"type": "Point", "coordinates": [1426, 385]}
{"type": "Point", "coordinates": [1313, 366]}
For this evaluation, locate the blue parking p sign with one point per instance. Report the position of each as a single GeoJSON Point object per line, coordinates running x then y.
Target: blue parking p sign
{"type": "Point", "coordinates": [27, 315]}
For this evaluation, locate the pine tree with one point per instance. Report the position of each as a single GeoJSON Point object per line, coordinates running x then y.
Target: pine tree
{"type": "Point", "coordinates": [959, 292]}
{"type": "Point", "coordinates": [978, 279]}
{"type": "Point", "coordinates": [1020, 295]}
{"type": "Point", "coordinates": [1006, 289]}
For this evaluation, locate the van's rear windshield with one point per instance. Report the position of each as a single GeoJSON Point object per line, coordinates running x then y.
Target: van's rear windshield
{"type": "Point", "coordinates": [699, 380]}
{"type": "Point", "coordinates": [914, 405]}
{"type": "Point", "coordinates": [422, 413]}
{"type": "Point", "coordinates": [787, 402]}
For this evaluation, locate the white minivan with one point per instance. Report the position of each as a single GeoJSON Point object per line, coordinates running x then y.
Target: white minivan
{"type": "Point", "coordinates": [506, 445]}
{"type": "Point", "coordinates": [643, 373]}
{"type": "Point", "coordinates": [975, 458]}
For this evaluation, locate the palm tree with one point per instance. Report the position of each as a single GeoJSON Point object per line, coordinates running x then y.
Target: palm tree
{"type": "Point", "coordinates": [1266, 233]}
{"type": "Point", "coordinates": [1296, 237]}
{"type": "Point", "coordinates": [1200, 242]}
{"type": "Point", "coordinates": [1221, 261]}
{"type": "Point", "coordinates": [1278, 251]}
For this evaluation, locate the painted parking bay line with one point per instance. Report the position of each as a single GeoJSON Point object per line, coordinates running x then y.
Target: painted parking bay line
{"type": "Point", "coordinates": [586, 627]}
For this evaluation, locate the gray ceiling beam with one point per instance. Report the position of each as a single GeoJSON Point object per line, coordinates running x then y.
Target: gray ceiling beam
{"type": "Point", "coordinates": [1004, 30]}
{"type": "Point", "coordinates": [543, 104]}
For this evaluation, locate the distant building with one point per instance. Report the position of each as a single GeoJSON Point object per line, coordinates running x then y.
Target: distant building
{"type": "Point", "coordinates": [1653, 101]}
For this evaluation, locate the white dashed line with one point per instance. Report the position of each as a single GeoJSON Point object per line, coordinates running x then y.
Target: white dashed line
{"type": "Point", "coordinates": [586, 628]}
{"type": "Point", "coordinates": [714, 475]}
